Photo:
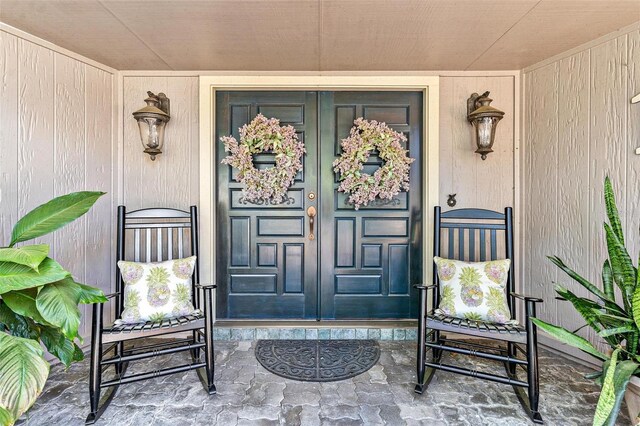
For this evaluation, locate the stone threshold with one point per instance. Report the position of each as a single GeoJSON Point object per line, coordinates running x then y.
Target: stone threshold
{"type": "Point", "coordinates": [313, 330]}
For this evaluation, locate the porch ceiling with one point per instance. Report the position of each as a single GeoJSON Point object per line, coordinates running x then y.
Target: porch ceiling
{"type": "Point", "coordinates": [319, 35]}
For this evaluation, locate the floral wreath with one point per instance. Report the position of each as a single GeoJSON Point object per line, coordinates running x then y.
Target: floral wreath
{"type": "Point", "coordinates": [262, 135]}
{"type": "Point", "coordinates": [391, 178]}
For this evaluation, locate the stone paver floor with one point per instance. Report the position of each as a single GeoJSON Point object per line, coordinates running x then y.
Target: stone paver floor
{"type": "Point", "coordinates": [250, 395]}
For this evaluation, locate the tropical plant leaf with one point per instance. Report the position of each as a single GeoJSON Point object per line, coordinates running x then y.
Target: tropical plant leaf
{"type": "Point", "coordinates": [565, 336]}
{"type": "Point", "coordinates": [593, 376]}
{"type": "Point", "coordinates": [58, 305]}
{"type": "Point", "coordinates": [635, 303]}
{"type": "Point", "coordinates": [58, 345]}
{"type": "Point", "coordinates": [23, 302]}
{"type": "Point", "coordinates": [23, 373]}
{"type": "Point", "coordinates": [607, 280]}
{"type": "Point", "coordinates": [585, 307]}
{"type": "Point", "coordinates": [16, 324]}
{"type": "Point", "coordinates": [612, 210]}
{"type": "Point", "coordinates": [632, 342]}
{"type": "Point", "coordinates": [617, 330]}
{"type": "Point", "coordinates": [14, 276]}
{"type": "Point", "coordinates": [78, 355]}
{"type": "Point", "coordinates": [53, 215]}
{"type": "Point", "coordinates": [624, 273]}
{"type": "Point", "coordinates": [607, 394]}
{"type": "Point", "coordinates": [621, 376]}
{"type": "Point", "coordinates": [30, 256]}
{"type": "Point", "coordinates": [6, 419]}
{"type": "Point", "coordinates": [579, 279]}
{"type": "Point", "coordinates": [88, 295]}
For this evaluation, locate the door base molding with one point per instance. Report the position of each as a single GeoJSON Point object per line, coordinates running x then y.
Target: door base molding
{"type": "Point", "coordinates": [312, 330]}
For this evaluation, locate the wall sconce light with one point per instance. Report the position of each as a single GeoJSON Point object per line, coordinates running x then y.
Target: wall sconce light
{"type": "Point", "coordinates": [484, 119]}
{"type": "Point", "coordinates": [152, 120]}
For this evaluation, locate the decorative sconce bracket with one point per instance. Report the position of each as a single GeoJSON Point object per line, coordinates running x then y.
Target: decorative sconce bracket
{"type": "Point", "coordinates": [152, 120]}
{"type": "Point", "coordinates": [484, 119]}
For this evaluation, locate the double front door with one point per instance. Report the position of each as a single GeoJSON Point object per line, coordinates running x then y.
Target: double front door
{"type": "Point", "coordinates": [359, 264]}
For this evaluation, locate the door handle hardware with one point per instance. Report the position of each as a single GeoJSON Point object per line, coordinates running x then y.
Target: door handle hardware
{"type": "Point", "coordinates": [311, 212]}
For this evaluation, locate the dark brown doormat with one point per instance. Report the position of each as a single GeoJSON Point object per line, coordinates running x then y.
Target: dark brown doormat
{"type": "Point", "coordinates": [317, 360]}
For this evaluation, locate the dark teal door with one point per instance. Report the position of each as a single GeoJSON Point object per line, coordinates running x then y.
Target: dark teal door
{"type": "Point", "coordinates": [361, 263]}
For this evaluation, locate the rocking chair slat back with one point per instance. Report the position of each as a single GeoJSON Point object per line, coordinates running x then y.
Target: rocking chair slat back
{"type": "Point", "coordinates": [153, 240]}
{"type": "Point", "coordinates": [456, 231]}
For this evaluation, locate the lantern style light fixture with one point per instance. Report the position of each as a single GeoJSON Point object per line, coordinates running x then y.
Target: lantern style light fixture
{"type": "Point", "coordinates": [484, 119]}
{"type": "Point", "coordinates": [152, 120]}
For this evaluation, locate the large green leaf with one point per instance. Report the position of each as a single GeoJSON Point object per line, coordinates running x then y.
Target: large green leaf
{"type": "Point", "coordinates": [6, 419]}
{"type": "Point", "coordinates": [30, 256]}
{"type": "Point", "coordinates": [14, 276]}
{"type": "Point", "coordinates": [53, 215]}
{"type": "Point", "coordinates": [17, 325]}
{"type": "Point", "coordinates": [579, 279]}
{"type": "Point", "coordinates": [88, 295]}
{"type": "Point", "coordinates": [632, 342]}
{"type": "Point", "coordinates": [58, 345]}
{"type": "Point", "coordinates": [635, 303]}
{"type": "Point", "coordinates": [617, 330]}
{"type": "Point", "coordinates": [23, 373]}
{"type": "Point", "coordinates": [58, 305]}
{"type": "Point", "coordinates": [585, 307]}
{"type": "Point", "coordinates": [23, 302]}
{"type": "Point", "coordinates": [607, 280]}
{"type": "Point", "coordinates": [607, 395]}
{"type": "Point", "coordinates": [621, 376]}
{"type": "Point", "coordinates": [565, 336]}
{"type": "Point", "coordinates": [624, 273]}
{"type": "Point", "coordinates": [612, 210]}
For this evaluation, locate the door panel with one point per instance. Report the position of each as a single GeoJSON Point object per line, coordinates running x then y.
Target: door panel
{"type": "Point", "coordinates": [369, 257]}
{"type": "Point", "coordinates": [266, 266]}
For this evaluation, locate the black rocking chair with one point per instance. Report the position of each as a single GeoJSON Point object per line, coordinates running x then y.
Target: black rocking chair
{"type": "Point", "coordinates": [466, 223]}
{"type": "Point", "coordinates": [157, 234]}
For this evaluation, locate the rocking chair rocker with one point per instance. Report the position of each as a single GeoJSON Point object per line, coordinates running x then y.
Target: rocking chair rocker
{"type": "Point", "coordinates": [518, 338]}
{"type": "Point", "coordinates": [159, 233]}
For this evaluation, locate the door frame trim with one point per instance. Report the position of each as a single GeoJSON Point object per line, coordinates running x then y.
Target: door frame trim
{"type": "Point", "coordinates": [209, 85]}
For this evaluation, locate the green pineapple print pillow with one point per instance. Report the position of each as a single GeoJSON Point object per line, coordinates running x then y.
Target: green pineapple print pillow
{"type": "Point", "coordinates": [474, 290]}
{"type": "Point", "coordinates": [156, 291]}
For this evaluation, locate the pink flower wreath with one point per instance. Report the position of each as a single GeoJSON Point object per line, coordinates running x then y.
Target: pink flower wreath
{"type": "Point", "coordinates": [265, 135]}
{"type": "Point", "coordinates": [391, 178]}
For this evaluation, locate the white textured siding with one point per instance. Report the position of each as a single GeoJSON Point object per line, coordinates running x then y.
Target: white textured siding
{"type": "Point", "coordinates": [57, 136]}
{"type": "Point", "coordinates": [173, 180]}
{"type": "Point", "coordinates": [487, 184]}
{"type": "Point", "coordinates": [579, 127]}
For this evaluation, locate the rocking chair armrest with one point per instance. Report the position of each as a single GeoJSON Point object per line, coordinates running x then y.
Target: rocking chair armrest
{"type": "Point", "coordinates": [112, 295]}
{"type": "Point", "coordinates": [206, 286]}
{"type": "Point", "coordinates": [424, 287]}
{"type": "Point", "coordinates": [527, 298]}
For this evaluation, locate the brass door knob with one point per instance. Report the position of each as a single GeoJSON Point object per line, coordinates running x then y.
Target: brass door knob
{"type": "Point", "coordinates": [311, 212]}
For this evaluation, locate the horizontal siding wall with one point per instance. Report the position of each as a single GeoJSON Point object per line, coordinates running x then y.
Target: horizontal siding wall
{"type": "Point", "coordinates": [579, 126]}
{"type": "Point", "coordinates": [57, 136]}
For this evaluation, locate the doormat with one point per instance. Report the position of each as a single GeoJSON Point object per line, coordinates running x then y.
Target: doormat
{"type": "Point", "coordinates": [317, 360]}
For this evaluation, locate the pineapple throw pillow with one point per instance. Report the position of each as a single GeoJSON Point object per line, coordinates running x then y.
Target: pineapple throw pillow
{"type": "Point", "coordinates": [156, 291]}
{"type": "Point", "coordinates": [474, 290]}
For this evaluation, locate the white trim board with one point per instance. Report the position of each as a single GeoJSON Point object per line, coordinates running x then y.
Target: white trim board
{"type": "Point", "coordinates": [429, 85]}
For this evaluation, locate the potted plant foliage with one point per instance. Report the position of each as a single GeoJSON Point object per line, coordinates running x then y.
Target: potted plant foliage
{"type": "Point", "coordinates": [615, 319]}
{"type": "Point", "coordinates": [38, 305]}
